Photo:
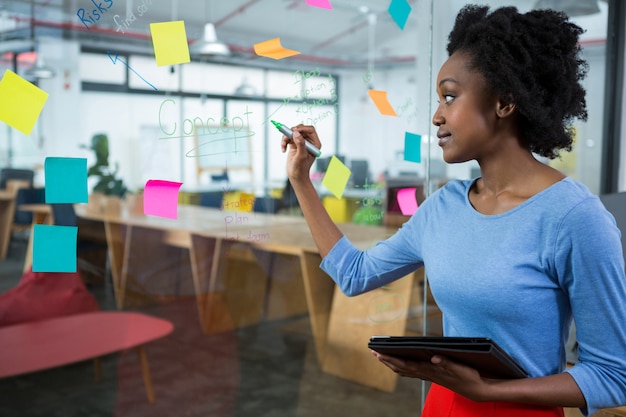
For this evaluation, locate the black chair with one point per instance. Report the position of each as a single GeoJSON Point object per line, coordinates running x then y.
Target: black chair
{"type": "Point", "coordinates": [266, 205]}
{"type": "Point", "coordinates": [27, 196]}
{"type": "Point", "coordinates": [6, 174]}
{"type": "Point", "coordinates": [212, 199]}
{"type": "Point", "coordinates": [65, 215]}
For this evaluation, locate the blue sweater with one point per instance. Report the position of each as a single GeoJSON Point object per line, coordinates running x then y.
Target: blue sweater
{"type": "Point", "coordinates": [517, 277]}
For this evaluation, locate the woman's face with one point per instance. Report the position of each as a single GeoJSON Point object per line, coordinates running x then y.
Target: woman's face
{"type": "Point", "coordinates": [466, 114]}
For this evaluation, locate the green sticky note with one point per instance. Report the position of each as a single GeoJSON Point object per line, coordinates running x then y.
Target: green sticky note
{"type": "Point", "coordinates": [54, 248]}
{"type": "Point", "coordinates": [336, 177]}
{"type": "Point", "coordinates": [66, 180]}
{"type": "Point", "coordinates": [169, 40]}
{"type": "Point", "coordinates": [21, 102]}
{"type": "Point", "coordinates": [412, 147]}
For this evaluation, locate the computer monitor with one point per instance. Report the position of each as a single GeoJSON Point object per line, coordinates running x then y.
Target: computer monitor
{"type": "Point", "coordinates": [360, 173]}
{"type": "Point", "coordinates": [321, 164]}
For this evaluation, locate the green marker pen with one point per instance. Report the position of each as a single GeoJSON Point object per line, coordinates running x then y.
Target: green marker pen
{"type": "Point", "coordinates": [287, 132]}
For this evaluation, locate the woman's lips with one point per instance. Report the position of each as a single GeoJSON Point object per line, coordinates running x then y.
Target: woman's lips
{"type": "Point", "coordinates": [443, 138]}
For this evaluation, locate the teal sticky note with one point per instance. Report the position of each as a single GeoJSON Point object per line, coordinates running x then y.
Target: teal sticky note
{"type": "Point", "coordinates": [399, 11]}
{"type": "Point", "coordinates": [66, 180]}
{"type": "Point", "coordinates": [54, 248]}
{"type": "Point", "coordinates": [412, 147]}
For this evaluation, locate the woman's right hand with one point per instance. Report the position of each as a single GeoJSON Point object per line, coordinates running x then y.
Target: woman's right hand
{"type": "Point", "coordinates": [299, 160]}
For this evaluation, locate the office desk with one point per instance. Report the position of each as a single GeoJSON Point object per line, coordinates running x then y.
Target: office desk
{"type": "Point", "coordinates": [212, 235]}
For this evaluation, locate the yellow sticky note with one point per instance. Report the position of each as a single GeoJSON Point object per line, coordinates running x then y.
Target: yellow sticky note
{"type": "Point", "coordinates": [21, 102]}
{"type": "Point", "coordinates": [336, 177]}
{"type": "Point", "coordinates": [170, 43]}
{"type": "Point", "coordinates": [273, 49]}
{"type": "Point", "coordinates": [382, 103]}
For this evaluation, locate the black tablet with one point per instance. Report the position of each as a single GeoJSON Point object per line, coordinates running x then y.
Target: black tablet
{"type": "Point", "coordinates": [481, 353]}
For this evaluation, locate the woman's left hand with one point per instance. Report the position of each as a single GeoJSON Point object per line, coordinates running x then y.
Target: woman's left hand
{"type": "Point", "coordinates": [442, 371]}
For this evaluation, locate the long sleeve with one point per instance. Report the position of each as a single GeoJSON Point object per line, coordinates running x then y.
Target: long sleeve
{"type": "Point", "coordinates": [589, 263]}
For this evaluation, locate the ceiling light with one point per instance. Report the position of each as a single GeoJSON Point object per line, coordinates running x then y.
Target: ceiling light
{"type": "Point", "coordinates": [570, 7]}
{"type": "Point", "coordinates": [245, 89]}
{"type": "Point", "coordinates": [209, 45]}
{"type": "Point", "coordinates": [39, 70]}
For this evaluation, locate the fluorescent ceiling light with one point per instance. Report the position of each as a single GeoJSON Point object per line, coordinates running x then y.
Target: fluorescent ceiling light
{"type": "Point", "coordinates": [209, 45]}
{"type": "Point", "coordinates": [570, 7]}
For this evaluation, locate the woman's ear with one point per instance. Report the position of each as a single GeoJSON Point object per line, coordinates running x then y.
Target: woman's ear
{"type": "Point", "coordinates": [505, 108]}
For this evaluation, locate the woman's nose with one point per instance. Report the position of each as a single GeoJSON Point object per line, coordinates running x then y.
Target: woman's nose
{"type": "Point", "coordinates": [437, 118]}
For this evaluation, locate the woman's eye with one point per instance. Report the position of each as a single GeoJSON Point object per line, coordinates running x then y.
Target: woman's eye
{"type": "Point", "coordinates": [448, 98]}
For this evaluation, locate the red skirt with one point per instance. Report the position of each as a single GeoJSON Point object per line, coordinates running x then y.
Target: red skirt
{"type": "Point", "coordinates": [441, 402]}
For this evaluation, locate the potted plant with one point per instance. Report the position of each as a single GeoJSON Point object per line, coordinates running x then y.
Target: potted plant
{"type": "Point", "coordinates": [107, 183]}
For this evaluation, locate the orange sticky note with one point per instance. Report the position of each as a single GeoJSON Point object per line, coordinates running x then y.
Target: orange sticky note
{"type": "Point", "coordinates": [160, 198]}
{"type": "Point", "coordinates": [273, 49]}
{"type": "Point", "coordinates": [336, 177]}
{"type": "Point", "coordinates": [21, 102]}
{"type": "Point", "coordinates": [382, 103]}
{"type": "Point", "coordinates": [407, 201]}
{"type": "Point", "coordinates": [169, 40]}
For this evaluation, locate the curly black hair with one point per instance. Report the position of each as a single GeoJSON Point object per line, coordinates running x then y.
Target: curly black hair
{"type": "Point", "coordinates": [532, 60]}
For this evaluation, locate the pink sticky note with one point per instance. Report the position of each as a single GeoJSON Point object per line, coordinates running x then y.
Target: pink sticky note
{"type": "Point", "coordinates": [160, 198]}
{"type": "Point", "coordinates": [407, 201]}
{"type": "Point", "coordinates": [322, 4]}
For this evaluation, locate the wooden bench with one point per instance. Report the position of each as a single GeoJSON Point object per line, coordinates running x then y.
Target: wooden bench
{"type": "Point", "coordinates": [43, 344]}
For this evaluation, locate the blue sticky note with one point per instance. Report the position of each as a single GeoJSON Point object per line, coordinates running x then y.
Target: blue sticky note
{"type": "Point", "coordinates": [54, 248]}
{"type": "Point", "coordinates": [66, 180]}
{"type": "Point", "coordinates": [399, 11]}
{"type": "Point", "coordinates": [412, 147]}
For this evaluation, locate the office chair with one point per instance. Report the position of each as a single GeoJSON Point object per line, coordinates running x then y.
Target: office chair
{"type": "Point", "coordinates": [212, 199]}
{"type": "Point", "coordinates": [24, 219]}
{"type": "Point", "coordinates": [64, 215]}
{"type": "Point", "coordinates": [266, 205]}
{"type": "Point", "coordinates": [6, 174]}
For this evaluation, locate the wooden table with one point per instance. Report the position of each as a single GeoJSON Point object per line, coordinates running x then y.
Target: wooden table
{"type": "Point", "coordinates": [211, 236]}
{"type": "Point", "coordinates": [44, 344]}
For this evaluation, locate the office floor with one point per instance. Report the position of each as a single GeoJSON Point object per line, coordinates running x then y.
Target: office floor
{"type": "Point", "coordinates": [268, 369]}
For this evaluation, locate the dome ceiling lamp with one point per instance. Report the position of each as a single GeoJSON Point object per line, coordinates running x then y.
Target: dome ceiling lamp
{"type": "Point", "coordinates": [209, 45]}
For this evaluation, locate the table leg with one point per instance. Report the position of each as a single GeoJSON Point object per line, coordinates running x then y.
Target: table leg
{"type": "Point", "coordinates": [97, 368]}
{"type": "Point", "coordinates": [145, 371]}
{"type": "Point", "coordinates": [118, 242]}
{"type": "Point", "coordinates": [38, 218]}
{"type": "Point", "coordinates": [318, 288]}
{"type": "Point", "coordinates": [202, 255]}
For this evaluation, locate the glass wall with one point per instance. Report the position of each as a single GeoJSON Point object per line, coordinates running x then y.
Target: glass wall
{"type": "Point", "coordinates": [218, 247]}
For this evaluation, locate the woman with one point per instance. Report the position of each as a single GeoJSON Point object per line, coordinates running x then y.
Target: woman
{"type": "Point", "coordinates": [516, 254]}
